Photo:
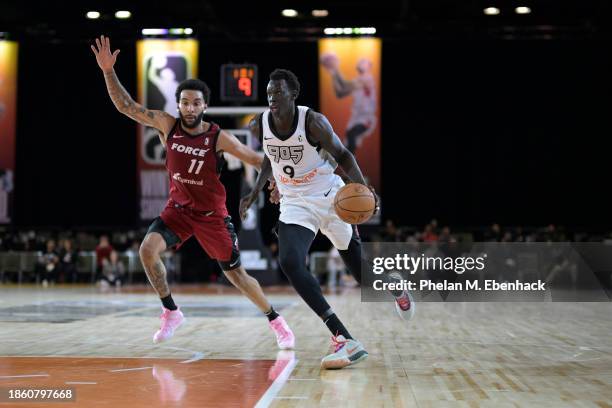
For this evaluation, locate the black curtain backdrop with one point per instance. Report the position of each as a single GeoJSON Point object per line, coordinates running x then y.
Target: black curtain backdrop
{"type": "Point", "coordinates": [475, 132]}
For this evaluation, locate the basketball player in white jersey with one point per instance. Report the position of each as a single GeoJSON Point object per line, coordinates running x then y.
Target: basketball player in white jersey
{"type": "Point", "coordinates": [301, 151]}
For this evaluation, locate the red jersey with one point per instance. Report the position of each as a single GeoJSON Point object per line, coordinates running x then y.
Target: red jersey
{"type": "Point", "coordinates": [194, 168]}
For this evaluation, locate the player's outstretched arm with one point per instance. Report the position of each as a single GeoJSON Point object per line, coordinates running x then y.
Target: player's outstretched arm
{"type": "Point", "coordinates": [120, 97]}
{"type": "Point", "coordinates": [230, 144]}
{"type": "Point", "coordinates": [321, 131]}
{"type": "Point", "coordinates": [343, 87]}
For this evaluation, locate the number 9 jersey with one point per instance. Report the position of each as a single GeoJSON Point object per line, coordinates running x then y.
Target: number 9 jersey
{"type": "Point", "coordinates": [300, 167]}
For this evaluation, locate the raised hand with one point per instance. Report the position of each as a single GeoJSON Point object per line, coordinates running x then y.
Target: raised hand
{"type": "Point", "coordinates": [104, 57]}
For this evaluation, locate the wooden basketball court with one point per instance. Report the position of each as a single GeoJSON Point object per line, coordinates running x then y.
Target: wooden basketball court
{"type": "Point", "coordinates": [449, 355]}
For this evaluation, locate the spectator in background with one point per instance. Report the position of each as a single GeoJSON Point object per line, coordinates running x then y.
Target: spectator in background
{"type": "Point", "coordinates": [518, 235]}
{"type": "Point", "coordinates": [46, 268]}
{"type": "Point", "coordinates": [132, 251]}
{"type": "Point", "coordinates": [434, 226]}
{"type": "Point", "coordinates": [493, 234]}
{"type": "Point", "coordinates": [445, 236]}
{"type": "Point", "coordinates": [113, 271]}
{"type": "Point", "coordinates": [391, 232]}
{"type": "Point", "coordinates": [25, 241]}
{"type": "Point", "coordinates": [68, 261]}
{"type": "Point", "coordinates": [429, 235]}
{"type": "Point", "coordinates": [103, 251]}
{"type": "Point", "coordinates": [551, 234]}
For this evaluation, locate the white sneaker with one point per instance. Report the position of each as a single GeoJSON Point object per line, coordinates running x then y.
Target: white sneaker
{"type": "Point", "coordinates": [346, 352]}
{"type": "Point", "coordinates": [404, 305]}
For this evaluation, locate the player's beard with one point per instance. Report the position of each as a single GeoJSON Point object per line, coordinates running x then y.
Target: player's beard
{"type": "Point", "coordinates": [195, 123]}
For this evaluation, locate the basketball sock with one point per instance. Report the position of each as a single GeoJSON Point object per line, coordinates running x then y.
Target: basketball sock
{"type": "Point", "coordinates": [271, 314]}
{"type": "Point", "coordinates": [336, 327]}
{"type": "Point", "coordinates": [169, 303]}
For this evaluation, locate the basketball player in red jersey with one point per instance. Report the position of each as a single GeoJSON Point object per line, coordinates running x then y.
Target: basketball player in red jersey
{"type": "Point", "coordinates": [197, 198]}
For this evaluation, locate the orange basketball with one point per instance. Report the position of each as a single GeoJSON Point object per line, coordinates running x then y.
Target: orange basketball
{"type": "Point", "coordinates": [354, 203]}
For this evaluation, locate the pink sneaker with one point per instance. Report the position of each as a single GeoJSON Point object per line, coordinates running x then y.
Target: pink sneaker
{"type": "Point", "coordinates": [284, 335]}
{"type": "Point", "coordinates": [170, 321]}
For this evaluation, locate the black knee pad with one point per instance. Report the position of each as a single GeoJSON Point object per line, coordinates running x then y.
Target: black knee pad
{"type": "Point", "coordinates": [159, 226]}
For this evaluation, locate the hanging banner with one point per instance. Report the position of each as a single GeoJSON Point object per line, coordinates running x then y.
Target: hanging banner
{"type": "Point", "coordinates": [8, 119]}
{"type": "Point", "coordinates": [349, 95]}
{"type": "Point", "coordinates": [162, 65]}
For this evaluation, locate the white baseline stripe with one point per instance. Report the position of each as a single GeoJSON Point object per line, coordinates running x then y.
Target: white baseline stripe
{"type": "Point", "coordinates": [292, 398]}
{"type": "Point", "coordinates": [79, 382]}
{"type": "Point", "coordinates": [129, 369]}
{"type": "Point", "coordinates": [24, 376]}
{"type": "Point", "coordinates": [276, 386]}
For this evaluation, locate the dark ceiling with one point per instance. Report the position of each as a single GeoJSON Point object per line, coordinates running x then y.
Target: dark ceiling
{"type": "Point", "coordinates": [262, 20]}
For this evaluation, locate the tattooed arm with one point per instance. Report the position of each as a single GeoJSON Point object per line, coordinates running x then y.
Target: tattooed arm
{"type": "Point", "coordinates": [124, 103]}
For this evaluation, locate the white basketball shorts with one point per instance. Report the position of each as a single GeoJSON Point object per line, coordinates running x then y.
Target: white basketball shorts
{"type": "Point", "coordinates": [316, 212]}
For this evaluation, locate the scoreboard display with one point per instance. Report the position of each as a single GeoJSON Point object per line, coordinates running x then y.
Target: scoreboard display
{"type": "Point", "coordinates": [239, 82]}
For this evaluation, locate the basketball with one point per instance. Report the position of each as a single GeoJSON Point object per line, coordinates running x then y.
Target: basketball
{"type": "Point", "coordinates": [329, 60]}
{"type": "Point", "coordinates": [354, 203]}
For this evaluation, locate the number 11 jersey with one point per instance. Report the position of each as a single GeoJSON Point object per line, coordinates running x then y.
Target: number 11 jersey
{"type": "Point", "coordinates": [194, 168]}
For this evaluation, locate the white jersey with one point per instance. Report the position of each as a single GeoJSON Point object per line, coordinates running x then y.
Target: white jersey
{"type": "Point", "coordinates": [300, 167]}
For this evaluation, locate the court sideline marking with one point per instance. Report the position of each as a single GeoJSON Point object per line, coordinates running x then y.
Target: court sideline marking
{"type": "Point", "coordinates": [276, 386]}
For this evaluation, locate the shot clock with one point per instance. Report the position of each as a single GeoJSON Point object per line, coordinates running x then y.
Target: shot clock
{"type": "Point", "coordinates": [239, 82]}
